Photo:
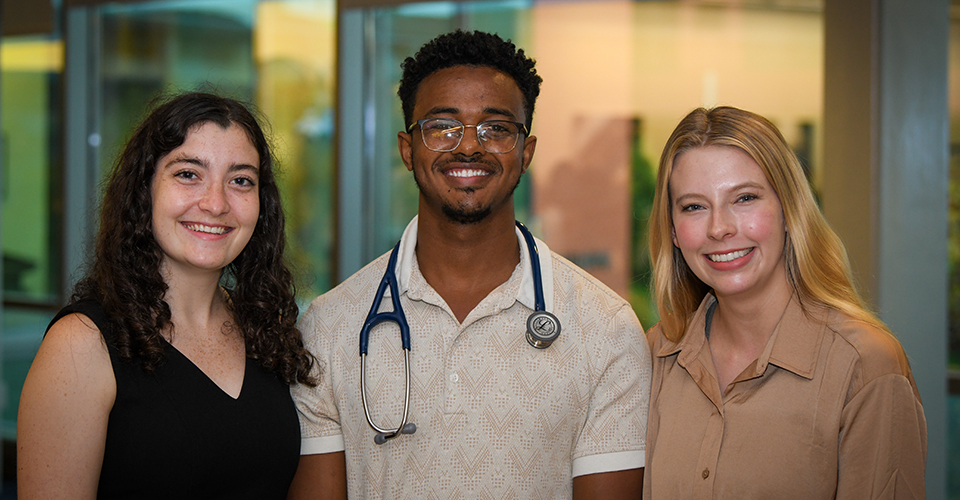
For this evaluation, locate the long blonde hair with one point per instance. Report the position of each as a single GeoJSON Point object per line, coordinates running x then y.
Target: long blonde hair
{"type": "Point", "coordinates": [816, 262]}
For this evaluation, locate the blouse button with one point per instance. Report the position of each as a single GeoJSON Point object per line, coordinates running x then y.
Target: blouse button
{"type": "Point", "coordinates": [454, 378]}
{"type": "Point", "coordinates": [706, 473]}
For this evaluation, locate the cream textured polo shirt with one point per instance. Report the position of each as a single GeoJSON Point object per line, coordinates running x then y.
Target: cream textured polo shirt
{"type": "Point", "coordinates": [496, 418]}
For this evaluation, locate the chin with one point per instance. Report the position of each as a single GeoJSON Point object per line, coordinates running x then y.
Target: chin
{"type": "Point", "coordinates": [459, 215]}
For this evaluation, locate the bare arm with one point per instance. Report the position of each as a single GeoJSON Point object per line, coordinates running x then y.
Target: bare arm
{"type": "Point", "coordinates": [64, 407]}
{"type": "Point", "coordinates": [609, 485]}
{"type": "Point", "coordinates": [321, 476]}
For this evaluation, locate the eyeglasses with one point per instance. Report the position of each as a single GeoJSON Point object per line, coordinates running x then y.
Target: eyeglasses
{"type": "Point", "coordinates": [444, 134]}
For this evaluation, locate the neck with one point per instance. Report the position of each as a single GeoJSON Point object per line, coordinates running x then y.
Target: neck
{"type": "Point", "coordinates": [750, 321]}
{"type": "Point", "coordinates": [195, 298]}
{"type": "Point", "coordinates": [465, 262]}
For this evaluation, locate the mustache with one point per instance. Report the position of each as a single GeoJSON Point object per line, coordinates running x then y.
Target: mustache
{"type": "Point", "coordinates": [462, 158]}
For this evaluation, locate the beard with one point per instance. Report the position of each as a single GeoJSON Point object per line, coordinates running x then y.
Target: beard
{"type": "Point", "coordinates": [463, 213]}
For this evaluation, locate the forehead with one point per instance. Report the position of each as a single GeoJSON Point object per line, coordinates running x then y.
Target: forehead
{"type": "Point", "coordinates": [714, 168]}
{"type": "Point", "coordinates": [469, 90]}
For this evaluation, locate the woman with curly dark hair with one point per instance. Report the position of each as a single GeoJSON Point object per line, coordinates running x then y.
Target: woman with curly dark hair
{"type": "Point", "coordinates": [168, 374]}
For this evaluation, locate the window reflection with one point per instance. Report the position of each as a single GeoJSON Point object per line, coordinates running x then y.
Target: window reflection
{"type": "Point", "coordinates": [278, 55]}
{"type": "Point", "coordinates": [30, 99]}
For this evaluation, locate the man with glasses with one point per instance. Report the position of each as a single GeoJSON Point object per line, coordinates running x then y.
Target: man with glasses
{"type": "Point", "coordinates": [499, 413]}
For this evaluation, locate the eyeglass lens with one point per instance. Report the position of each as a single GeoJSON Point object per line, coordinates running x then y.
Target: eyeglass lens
{"type": "Point", "coordinates": [496, 136]}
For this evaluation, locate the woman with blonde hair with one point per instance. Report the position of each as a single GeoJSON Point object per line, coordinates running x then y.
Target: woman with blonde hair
{"type": "Point", "coordinates": [771, 379]}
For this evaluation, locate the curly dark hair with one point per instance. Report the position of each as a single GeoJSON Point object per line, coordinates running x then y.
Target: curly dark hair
{"type": "Point", "coordinates": [125, 278]}
{"type": "Point", "coordinates": [461, 48]}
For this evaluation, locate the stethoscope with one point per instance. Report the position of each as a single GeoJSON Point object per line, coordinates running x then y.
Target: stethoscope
{"type": "Point", "coordinates": [542, 329]}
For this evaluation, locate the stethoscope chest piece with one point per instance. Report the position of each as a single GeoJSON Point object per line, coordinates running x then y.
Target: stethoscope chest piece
{"type": "Point", "coordinates": [542, 329]}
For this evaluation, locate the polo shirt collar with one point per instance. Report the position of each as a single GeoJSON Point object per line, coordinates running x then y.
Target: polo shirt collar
{"type": "Point", "coordinates": [407, 255]}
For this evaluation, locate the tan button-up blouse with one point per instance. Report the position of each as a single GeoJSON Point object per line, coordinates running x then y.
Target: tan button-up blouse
{"type": "Point", "coordinates": [829, 410]}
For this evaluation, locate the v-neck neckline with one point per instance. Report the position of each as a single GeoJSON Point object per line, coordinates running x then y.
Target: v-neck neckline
{"type": "Point", "coordinates": [243, 381]}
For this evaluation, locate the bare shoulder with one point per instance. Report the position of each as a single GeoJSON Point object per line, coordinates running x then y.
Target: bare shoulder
{"type": "Point", "coordinates": [73, 353]}
{"type": "Point", "coordinates": [75, 332]}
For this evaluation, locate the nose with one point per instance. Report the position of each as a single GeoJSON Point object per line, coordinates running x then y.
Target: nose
{"type": "Point", "coordinates": [722, 224]}
{"type": "Point", "coordinates": [214, 200]}
{"type": "Point", "coordinates": [470, 141]}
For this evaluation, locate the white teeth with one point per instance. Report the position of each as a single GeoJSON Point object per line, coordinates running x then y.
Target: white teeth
{"type": "Point", "coordinates": [466, 173]}
{"type": "Point", "coordinates": [206, 229]}
{"type": "Point", "coordinates": [727, 257]}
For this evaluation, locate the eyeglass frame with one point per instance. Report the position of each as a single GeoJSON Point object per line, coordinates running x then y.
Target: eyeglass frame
{"type": "Point", "coordinates": [419, 123]}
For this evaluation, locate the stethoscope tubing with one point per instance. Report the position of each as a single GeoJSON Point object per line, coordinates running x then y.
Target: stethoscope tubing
{"type": "Point", "coordinates": [538, 301]}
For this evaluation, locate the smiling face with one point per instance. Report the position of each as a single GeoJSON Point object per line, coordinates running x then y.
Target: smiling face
{"type": "Point", "coordinates": [469, 184]}
{"type": "Point", "coordinates": [206, 199]}
{"type": "Point", "coordinates": [728, 222]}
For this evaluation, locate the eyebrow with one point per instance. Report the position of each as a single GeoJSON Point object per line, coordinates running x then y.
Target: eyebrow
{"type": "Point", "coordinates": [439, 110]}
{"type": "Point", "coordinates": [193, 160]}
{"type": "Point", "coordinates": [738, 187]}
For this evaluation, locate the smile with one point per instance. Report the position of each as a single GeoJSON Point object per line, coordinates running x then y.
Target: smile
{"type": "Point", "coordinates": [207, 229]}
{"type": "Point", "coordinates": [727, 257]}
{"type": "Point", "coordinates": [466, 172]}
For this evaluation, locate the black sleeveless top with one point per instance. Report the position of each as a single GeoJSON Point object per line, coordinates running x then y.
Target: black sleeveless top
{"type": "Point", "coordinates": [175, 434]}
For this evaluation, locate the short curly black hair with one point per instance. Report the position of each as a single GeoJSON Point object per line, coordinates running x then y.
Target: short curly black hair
{"type": "Point", "coordinates": [461, 48]}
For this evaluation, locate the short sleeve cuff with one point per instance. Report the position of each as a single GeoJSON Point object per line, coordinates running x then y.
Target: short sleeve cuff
{"type": "Point", "coordinates": [608, 462]}
{"type": "Point", "coordinates": [323, 444]}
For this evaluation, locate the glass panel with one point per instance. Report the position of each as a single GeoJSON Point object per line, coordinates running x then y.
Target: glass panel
{"type": "Point", "coordinates": [156, 47]}
{"type": "Point", "coordinates": [294, 49]}
{"type": "Point", "coordinates": [618, 76]}
{"type": "Point", "coordinates": [276, 54]}
{"type": "Point", "coordinates": [31, 107]}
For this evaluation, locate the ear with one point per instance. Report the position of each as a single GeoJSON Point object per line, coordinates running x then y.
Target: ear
{"type": "Point", "coordinates": [673, 236]}
{"type": "Point", "coordinates": [405, 145]}
{"type": "Point", "coordinates": [529, 146]}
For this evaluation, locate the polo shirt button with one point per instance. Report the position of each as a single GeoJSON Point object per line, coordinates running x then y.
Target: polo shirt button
{"type": "Point", "coordinates": [706, 473]}
{"type": "Point", "coordinates": [454, 378]}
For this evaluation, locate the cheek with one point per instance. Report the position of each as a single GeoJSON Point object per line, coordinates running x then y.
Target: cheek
{"type": "Point", "coordinates": [687, 235]}
{"type": "Point", "coordinates": [166, 203]}
{"type": "Point", "coordinates": [423, 158]}
{"type": "Point", "coordinates": [767, 226]}
{"type": "Point", "coordinates": [247, 207]}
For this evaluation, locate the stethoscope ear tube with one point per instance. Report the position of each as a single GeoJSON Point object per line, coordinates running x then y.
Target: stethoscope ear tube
{"type": "Point", "coordinates": [396, 315]}
{"type": "Point", "coordinates": [373, 319]}
{"type": "Point", "coordinates": [383, 434]}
